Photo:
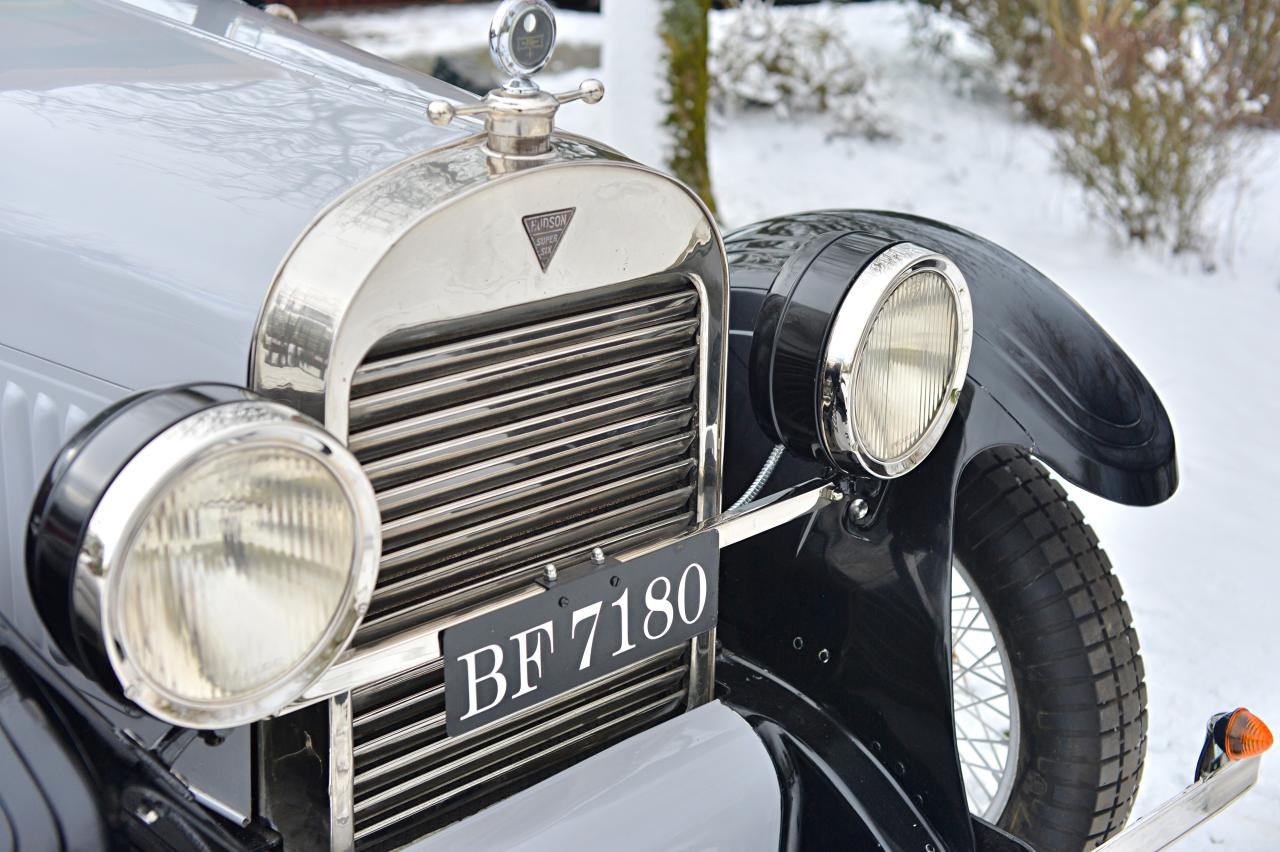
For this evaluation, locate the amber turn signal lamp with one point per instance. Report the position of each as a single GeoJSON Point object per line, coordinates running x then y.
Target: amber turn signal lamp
{"type": "Point", "coordinates": [1246, 736]}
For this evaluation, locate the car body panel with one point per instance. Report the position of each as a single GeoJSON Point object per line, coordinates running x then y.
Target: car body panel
{"type": "Point", "coordinates": [701, 781]}
{"type": "Point", "coordinates": [157, 164]}
{"type": "Point", "coordinates": [158, 173]}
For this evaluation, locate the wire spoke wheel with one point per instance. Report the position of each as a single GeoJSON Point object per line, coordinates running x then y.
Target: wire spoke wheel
{"type": "Point", "coordinates": [984, 700]}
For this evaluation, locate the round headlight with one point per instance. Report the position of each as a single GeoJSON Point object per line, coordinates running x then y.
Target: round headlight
{"type": "Point", "coordinates": [895, 360]}
{"type": "Point", "coordinates": [860, 352]}
{"type": "Point", "coordinates": [228, 563]}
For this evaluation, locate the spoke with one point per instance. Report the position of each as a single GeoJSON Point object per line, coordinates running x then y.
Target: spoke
{"type": "Point", "coordinates": [984, 701]}
{"type": "Point", "coordinates": [985, 765]}
{"type": "Point", "coordinates": [978, 776]}
{"type": "Point", "coordinates": [1001, 685]}
{"type": "Point", "coordinates": [972, 666]}
{"type": "Point", "coordinates": [956, 617]}
{"type": "Point", "coordinates": [972, 622]}
{"type": "Point", "coordinates": [998, 756]}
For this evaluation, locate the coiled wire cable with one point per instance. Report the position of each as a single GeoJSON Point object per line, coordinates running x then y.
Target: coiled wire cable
{"type": "Point", "coordinates": [757, 484]}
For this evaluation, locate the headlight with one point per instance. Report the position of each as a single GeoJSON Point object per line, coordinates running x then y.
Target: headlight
{"type": "Point", "coordinates": [223, 565]}
{"type": "Point", "coordinates": [861, 351]}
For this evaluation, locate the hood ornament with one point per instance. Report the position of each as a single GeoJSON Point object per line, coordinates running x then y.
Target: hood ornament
{"type": "Point", "coordinates": [519, 117]}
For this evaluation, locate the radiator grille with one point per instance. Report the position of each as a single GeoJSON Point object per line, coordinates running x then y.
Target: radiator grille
{"type": "Point", "coordinates": [494, 450]}
{"type": "Point", "coordinates": [410, 779]}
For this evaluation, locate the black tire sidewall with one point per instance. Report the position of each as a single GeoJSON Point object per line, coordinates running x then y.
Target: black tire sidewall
{"type": "Point", "coordinates": [1070, 642]}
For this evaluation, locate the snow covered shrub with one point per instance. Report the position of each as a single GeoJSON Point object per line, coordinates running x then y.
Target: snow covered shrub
{"type": "Point", "coordinates": [1152, 129]}
{"type": "Point", "coordinates": [795, 61]}
{"type": "Point", "coordinates": [1149, 97]}
{"type": "Point", "coordinates": [1255, 56]}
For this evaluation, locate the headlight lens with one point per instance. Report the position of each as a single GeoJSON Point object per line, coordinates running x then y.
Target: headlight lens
{"type": "Point", "coordinates": [906, 365]}
{"type": "Point", "coordinates": [895, 360]}
{"type": "Point", "coordinates": [235, 572]}
{"type": "Point", "coordinates": [230, 562]}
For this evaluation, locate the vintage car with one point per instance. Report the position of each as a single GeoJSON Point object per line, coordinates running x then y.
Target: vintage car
{"type": "Point", "coordinates": [383, 467]}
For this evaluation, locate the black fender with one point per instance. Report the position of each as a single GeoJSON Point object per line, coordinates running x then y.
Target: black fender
{"type": "Point", "coordinates": [1086, 409]}
{"type": "Point", "coordinates": [855, 614]}
{"type": "Point", "coordinates": [70, 778]}
{"type": "Point", "coordinates": [47, 799]}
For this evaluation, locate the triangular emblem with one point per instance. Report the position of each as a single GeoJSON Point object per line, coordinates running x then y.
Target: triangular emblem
{"type": "Point", "coordinates": [545, 231]}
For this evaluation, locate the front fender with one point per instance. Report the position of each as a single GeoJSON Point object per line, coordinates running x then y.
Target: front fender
{"type": "Point", "coordinates": [1085, 408]}
{"type": "Point", "coordinates": [856, 617]}
{"type": "Point", "coordinates": [47, 797]}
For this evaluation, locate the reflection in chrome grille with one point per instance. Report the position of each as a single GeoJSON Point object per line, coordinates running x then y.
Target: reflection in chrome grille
{"type": "Point", "coordinates": [494, 450]}
{"type": "Point", "coordinates": [411, 779]}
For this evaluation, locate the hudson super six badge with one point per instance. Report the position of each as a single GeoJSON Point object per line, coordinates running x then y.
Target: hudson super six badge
{"type": "Point", "coordinates": [545, 231]}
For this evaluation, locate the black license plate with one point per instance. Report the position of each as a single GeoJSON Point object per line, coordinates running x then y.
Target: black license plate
{"type": "Point", "coordinates": [579, 630]}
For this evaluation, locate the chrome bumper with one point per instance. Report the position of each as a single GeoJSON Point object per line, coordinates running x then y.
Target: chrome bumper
{"type": "Point", "coordinates": [1188, 810]}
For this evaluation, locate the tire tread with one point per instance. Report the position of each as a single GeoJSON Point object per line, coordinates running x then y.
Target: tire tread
{"type": "Point", "coordinates": [1075, 653]}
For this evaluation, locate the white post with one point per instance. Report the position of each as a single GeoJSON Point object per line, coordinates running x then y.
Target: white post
{"type": "Point", "coordinates": [634, 68]}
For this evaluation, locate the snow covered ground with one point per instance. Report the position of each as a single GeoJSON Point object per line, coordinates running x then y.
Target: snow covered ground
{"type": "Point", "coordinates": [1200, 572]}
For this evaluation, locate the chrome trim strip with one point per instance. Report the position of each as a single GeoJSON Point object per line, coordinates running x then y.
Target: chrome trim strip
{"type": "Point", "coordinates": [375, 404]}
{"type": "Point", "coordinates": [702, 669]}
{"type": "Point", "coordinates": [420, 697]}
{"type": "Point", "coordinates": [1188, 810]}
{"type": "Point", "coordinates": [553, 458]}
{"type": "Point", "coordinates": [399, 653]}
{"type": "Point", "coordinates": [421, 645]}
{"type": "Point", "coordinates": [412, 584]}
{"type": "Point", "coordinates": [764, 515]}
{"type": "Point", "coordinates": [661, 678]}
{"type": "Point", "coordinates": [562, 745]}
{"type": "Point", "coordinates": [515, 341]}
{"type": "Point", "coordinates": [342, 763]}
{"type": "Point", "coordinates": [553, 703]}
{"type": "Point", "coordinates": [216, 805]}
{"type": "Point", "coordinates": [658, 368]}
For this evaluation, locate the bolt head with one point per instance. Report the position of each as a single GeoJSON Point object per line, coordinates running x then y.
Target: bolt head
{"type": "Point", "coordinates": [858, 509]}
{"type": "Point", "coordinates": [440, 113]}
{"type": "Point", "coordinates": [549, 573]}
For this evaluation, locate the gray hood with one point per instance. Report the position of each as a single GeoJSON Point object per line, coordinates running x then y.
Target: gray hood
{"type": "Point", "coordinates": [157, 164]}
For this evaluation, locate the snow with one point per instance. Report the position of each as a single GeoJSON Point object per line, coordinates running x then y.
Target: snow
{"type": "Point", "coordinates": [1200, 572]}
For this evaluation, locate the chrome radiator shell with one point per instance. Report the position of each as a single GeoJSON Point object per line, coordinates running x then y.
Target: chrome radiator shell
{"type": "Point", "coordinates": [437, 242]}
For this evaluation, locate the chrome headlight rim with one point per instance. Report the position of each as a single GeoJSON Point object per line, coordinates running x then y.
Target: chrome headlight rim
{"type": "Point", "coordinates": [131, 498]}
{"type": "Point", "coordinates": [811, 331]}
{"type": "Point", "coordinates": [101, 491]}
{"type": "Point", "coordinates": [846, 345]}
